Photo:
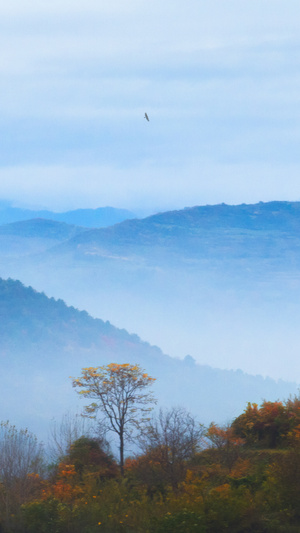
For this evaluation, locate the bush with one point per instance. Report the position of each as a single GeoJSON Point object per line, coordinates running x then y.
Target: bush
{"type": "Point", "coordinates": [182, 522]}
{"type": "Point", "coordinates": [42, 517]}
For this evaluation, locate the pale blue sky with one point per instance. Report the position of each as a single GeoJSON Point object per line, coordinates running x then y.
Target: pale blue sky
{"type": "Point", "coordinates": [219, 79]}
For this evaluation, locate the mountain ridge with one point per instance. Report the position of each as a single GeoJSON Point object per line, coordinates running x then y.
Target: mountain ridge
{"type": "Point", "coordinates": [217, 231]}
{"type": "Point", "coordinates": [43, 341]}
{"type": "Point", "coordinates": [99, 217]}
{"type": "Point", "coordinates": [41, 227]}
{"type": "Point", "coordinates": [228, 294]}
{"type": "Point", "coordinates": [34, 236]}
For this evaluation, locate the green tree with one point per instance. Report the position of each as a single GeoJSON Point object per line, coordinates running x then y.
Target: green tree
{"type": "Point", "coordinates": [87, 456]}
{"type": "Point", "coordinates": [121, 396]}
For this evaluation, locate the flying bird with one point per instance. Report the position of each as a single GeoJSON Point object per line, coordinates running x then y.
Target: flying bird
{"type": "Point", "coordinates": [146, 116]}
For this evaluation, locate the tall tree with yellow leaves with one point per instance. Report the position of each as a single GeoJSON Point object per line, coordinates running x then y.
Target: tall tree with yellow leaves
{"type": "Point", "coordinates": [121, 395]}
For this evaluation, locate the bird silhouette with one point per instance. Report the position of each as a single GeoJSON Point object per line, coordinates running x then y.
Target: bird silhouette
{"type": "Point", "coordinates": [146, 116]}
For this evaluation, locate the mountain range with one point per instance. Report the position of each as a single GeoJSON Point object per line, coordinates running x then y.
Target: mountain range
{"type": "Point", "coordinates": [220, 283]}
{"type": "Point", "coordinates": [90, 218]}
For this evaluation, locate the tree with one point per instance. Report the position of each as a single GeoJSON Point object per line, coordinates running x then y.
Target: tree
{"type": "Point", "coordinates": [226, 443]}
{"type": "Point", "coordinates": [282, 485]}
{"type": "Point", "coordinates": [88, 456]}
{"type": "Point", "coordinates": [21, 462]}
{"type": "Point", "coordinates": [64, 433]}
{"type": "Point", "coordinates": [172, 438]}
{"type": "Point", "coordinates": [120, 394]}
{"type": "Point", "coordinates": [269, 425]}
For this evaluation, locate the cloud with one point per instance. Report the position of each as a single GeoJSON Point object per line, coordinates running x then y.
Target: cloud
{"type": "Point", "coordinates": [155, 188]}
{"type": "Point", "coordinates": [218, 80]}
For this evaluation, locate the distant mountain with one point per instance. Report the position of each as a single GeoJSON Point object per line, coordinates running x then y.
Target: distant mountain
{"type": "Point", "coordinates": [221, 283]}
{"type": "Point", "coordinates": [266, 231]}
{"type": "Point", "coordinates": [95, 218]}
{"type": "Point", "coordinates": [39, 227]}
{"type": "Point", "coordinates": [90, 218]}
{"type": "Point", "coordinates": [34, 236]}
{"type": "Point", "coordinates": [43, 342]}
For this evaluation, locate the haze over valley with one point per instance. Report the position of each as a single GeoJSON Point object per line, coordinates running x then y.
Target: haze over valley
{"type": "Point", "coordinates": [44, 342]}
{"type": "Point", "coordinates": [220, 283]}
{"type": "Point", "coordinates": [206, 299]}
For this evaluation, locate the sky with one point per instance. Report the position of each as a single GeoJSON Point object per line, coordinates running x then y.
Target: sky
{"type": "Point", "coordinates": [219, 79]}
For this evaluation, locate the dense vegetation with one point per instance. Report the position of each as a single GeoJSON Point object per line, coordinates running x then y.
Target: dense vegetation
{"type": "Point", "coordinates": [186, 478]}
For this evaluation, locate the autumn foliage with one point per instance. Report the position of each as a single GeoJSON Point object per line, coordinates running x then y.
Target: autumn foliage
{"type": "Point", "coordinates": [271, 426]}
{"type": "Point", "coordinates": [242, 478]}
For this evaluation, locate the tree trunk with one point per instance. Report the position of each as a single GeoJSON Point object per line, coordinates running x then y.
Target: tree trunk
{"type": "Point", "coordinates": [122, 453]}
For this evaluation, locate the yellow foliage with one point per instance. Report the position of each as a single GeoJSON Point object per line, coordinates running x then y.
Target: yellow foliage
{"type": "Point", "coordinates": [241, 468]}
{"type": "Point", "coordinates": [222, 490]}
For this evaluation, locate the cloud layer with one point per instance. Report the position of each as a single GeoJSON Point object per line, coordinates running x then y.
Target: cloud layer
{"type": "Point", "coordinates": [219, 80]}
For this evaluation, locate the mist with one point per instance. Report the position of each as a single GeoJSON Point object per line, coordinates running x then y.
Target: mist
{"type": "Point", "coordinates": [229, 321]}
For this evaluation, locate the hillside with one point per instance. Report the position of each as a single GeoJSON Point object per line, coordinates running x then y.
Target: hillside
{"type": "Point", "coordinates": [221, 283]}
{"type": "Point", "coordinates": [32, 323]}
{"type": "Point", "coordinates": [260, 238]}
{"type": "Point", "coordinates": [42, 228]}
{"type": "Point", "coordinates": [244, 479]}
{"type": "Point", "coordinates": [34, 236]}
{"type": "Point", "coordinates": [269, 232]}
{"type": "Point", "coordinates": [43, 342]}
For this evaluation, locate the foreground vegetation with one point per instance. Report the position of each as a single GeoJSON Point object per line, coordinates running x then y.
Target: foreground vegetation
{"type": "Point", "coordinates": [241, 478]}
